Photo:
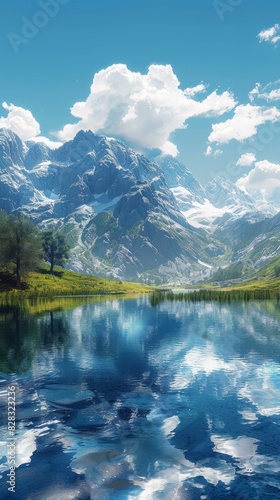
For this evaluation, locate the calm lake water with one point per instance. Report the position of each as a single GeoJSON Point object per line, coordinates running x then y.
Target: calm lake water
{"type": "Point", "coordinates": [120, 400]}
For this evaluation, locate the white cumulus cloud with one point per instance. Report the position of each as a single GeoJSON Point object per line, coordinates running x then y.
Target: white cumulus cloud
{"type": "Point", "coordinates": [208, 151]}
{"type": "Point", "coordinates": [51, 144]}
{"type": "Point", "coordinates": [213, 152]}
{"type": "Point", "coordinates": [144, 109]}
{"type": "Point", "coordinates": [271, 35]}
{"type": "Point", "coordinates": [265, 175]}
{"type": "Point", "coordinates": [270, 92]}
{"type": "Point", "coordinates": [20, 121]}
{"type": "Point", "coordinates": [244, 124]}
{"type": "Point", "coordinates": [192, 91]}
{"type": "Point", "coordinates": [246, 160]}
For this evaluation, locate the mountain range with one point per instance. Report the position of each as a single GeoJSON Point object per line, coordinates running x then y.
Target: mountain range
{"type": "Point", "coordinates": [130, 217]}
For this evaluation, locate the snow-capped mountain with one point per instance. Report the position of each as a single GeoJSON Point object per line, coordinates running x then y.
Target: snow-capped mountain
{"type": "Point", "coordinates": [177, 174]}
{"type": "Point", "coordinates": [225, 203]}
{"type": "Point", "coordinates": [126, 216]}
{"type": "Point", "coordinates": [122, 219]}
{"type": "Point", "coordinates": [224, 193]}
{"type": "Point", "coordinates": [185, 187]}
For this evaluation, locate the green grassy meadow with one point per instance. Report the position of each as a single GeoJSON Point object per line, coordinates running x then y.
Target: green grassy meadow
{"type": "Point", "coordinates": [64, 282]}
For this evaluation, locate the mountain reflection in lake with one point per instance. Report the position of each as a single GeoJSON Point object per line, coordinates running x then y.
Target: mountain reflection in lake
{"type": "Point", "coordinates": [117, 399]}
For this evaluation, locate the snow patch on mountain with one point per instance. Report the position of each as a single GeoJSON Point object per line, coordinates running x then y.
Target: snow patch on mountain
{"type": "Point", "coordinates": [103, 202]}
{"type": "Point", "coordinates": [204, 215]}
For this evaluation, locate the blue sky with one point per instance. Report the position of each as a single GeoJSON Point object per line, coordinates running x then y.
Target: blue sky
{"type": "Point", "coordinates": [214, 42]}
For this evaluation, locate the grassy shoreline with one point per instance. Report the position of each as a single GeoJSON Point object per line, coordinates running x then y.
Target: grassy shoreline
{"type": "Point", "coordinates": [64, 283]}
{"type": "Point", "coordinates": [220, 295]}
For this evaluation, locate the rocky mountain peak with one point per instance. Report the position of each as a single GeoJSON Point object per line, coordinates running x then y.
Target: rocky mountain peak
{"type": "Point", "coordinates": [12, 149]}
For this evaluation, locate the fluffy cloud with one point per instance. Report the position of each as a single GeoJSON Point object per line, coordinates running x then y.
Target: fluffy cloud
{"type": "Point", "coordinates": [213, 152]}
{"type": "Point", "coordinates": [143, 109]}
{"type": "Point", "coordinates": [271, 92]}
{"type": "Point", "coordinates": [271, 35]}
{"type": "Point", "coordinates": [208, 151]}
{"type": "Point", "coordinates": [20, 121]}
{"type": "Point", "coordinates": [244, 124]}
{"type": "Point", "coordinates": [48, 142]}
{"type": "Point", "coordinates": [265, 175]}
{"type": "Point", "coordinates": [192, 91]}
{"type": "Point", "coordinates": [246, 160]}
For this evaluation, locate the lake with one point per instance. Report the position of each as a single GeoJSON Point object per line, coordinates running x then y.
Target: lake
{"type": "Point", "coordinates": [117, 399]}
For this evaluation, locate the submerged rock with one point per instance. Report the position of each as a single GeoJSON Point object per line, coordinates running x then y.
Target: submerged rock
{"type": "Point", "coordinates": [66, 394]}
{"type": "Point", "coordinates": [95, 415]}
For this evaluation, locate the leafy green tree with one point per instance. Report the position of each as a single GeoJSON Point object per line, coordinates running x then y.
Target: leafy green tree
{"type": "Point", "coordinates": [20, 245]}
{"type": "Point", "coordinates": [55, 248]}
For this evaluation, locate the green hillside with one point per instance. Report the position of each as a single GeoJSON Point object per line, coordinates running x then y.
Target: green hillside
{"type": "Point", "coordinates": [64, 282]}
{"type": "Point", "coordinates": [243, 277]}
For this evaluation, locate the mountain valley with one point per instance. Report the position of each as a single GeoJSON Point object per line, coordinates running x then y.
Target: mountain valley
{"type": "Point", "coordinates": [128, 217]}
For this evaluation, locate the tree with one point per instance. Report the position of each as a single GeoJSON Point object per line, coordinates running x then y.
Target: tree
{"type": "Point", "coordinates": [20, 245]}
{"type": "Point", "coordinates": [55, 248]}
